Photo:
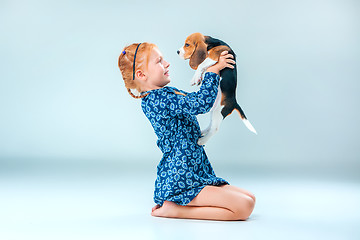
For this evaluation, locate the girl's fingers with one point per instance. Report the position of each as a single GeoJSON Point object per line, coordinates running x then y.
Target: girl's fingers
{"type": "Point", "coordinates": [227, 59]}
{"type": "Point", "coordinates": [227, 56]}
{"type": "Point", "coordinates": [230, 61]}
{"type": "Point", "coordinates": [224, 52]}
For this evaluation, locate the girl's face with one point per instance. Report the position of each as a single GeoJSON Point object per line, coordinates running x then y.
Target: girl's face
{"type": "Point", "coordinates": [157, 73]}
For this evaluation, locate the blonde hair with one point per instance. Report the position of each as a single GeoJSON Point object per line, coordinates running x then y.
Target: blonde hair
{"type": "Point", "coordinates": [126, 61]}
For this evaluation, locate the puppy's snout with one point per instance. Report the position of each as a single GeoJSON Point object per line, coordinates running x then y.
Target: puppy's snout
{"type": "Point", "coordinates": [181, 53]}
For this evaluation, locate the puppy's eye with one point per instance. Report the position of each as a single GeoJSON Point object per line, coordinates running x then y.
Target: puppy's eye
{"type": "Point", "coordinates": [186, 45]}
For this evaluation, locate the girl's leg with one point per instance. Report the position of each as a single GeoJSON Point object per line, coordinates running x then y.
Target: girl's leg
{"type": "Point", "coordinates": [212, 203]}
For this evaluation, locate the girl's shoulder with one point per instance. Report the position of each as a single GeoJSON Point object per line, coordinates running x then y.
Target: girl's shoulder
{"type": "Point", "coordinates": [156, 95]}
{"type": "Point", "coordinates": [159, 96]}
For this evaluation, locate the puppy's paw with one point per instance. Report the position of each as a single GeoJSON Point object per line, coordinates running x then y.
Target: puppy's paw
{"type": "Point", "coordinates": [205, 132]}
{"type": "Point", "coordinates": [196, 80]}
{"type": "Point", "coordinates": [202, 140]}
{"type": "Point", "coordinates": [202, 75]}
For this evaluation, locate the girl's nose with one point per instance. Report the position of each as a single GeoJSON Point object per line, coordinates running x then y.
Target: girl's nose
{"type": "Point", "coordinates": [167, 64]}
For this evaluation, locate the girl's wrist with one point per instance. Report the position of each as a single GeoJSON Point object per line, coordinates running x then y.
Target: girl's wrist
{"type": "Point", "coordinates": [214, 70]}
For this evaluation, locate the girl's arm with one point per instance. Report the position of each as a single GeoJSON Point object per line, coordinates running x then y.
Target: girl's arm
{"type": "Point", "coordinates": [201, 102]}
{"type": "Point", "coordinates": [195, 103]}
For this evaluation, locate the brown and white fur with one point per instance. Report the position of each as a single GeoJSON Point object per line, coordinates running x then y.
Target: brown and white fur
{"type": "Point", "coordinates": [203, 52]}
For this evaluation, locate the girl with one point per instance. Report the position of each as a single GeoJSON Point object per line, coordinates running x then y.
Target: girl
{"type": "Point", "coordinates": [186, 185]}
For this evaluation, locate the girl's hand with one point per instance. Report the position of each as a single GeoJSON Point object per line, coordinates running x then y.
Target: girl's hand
{"type": "Point", "coordinates": [225, 60]}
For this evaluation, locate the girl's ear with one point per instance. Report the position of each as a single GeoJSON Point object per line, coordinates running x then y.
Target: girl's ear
{"type": "Point", "coordinates": [199, 55]}
{"type": "Point", "coordinates": [140, 75]}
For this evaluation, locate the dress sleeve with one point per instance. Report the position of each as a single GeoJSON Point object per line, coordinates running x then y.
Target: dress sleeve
{"type": "Point", "coordinates": [195, 103]}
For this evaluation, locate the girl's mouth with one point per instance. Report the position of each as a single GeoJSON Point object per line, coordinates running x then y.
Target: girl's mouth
{"type": "Point", "coordinates": [166, 73]}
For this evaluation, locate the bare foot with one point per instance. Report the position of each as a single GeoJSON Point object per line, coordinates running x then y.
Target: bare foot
{"type": "Point", "coordinates": [156, 207]}
{"type": "Point", "coordinates": [168, 209]}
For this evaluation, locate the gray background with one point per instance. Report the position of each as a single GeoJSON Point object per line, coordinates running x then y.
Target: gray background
{"type": "Point", "coordinates": [63, 100]}
{"type": "Point", "coordinates": [78, 157]}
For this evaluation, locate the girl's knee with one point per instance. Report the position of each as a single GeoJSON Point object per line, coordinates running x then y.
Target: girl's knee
{"type": "Point", "coordinates": [244, 208]}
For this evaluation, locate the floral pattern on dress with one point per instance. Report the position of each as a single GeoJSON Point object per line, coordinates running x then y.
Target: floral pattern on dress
{"type": "Point", "coordinates": [184, 169]}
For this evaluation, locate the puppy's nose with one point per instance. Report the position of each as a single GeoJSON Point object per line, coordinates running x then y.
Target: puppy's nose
{"type": "Point", "coordinates": [178, 52]}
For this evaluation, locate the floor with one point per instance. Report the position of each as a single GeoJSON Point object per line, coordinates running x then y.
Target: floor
{"type": "Point", "coordinates": [102, 204]}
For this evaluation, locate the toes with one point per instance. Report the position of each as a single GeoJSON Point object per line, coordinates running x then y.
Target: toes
{"type": "Point", "coordinates": [155, 207]}
{"type": "Point", "coordinates": [156, 212]}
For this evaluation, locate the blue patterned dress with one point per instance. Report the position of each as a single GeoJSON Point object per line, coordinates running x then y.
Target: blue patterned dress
{"type": "Point", "coordinates": [184, 169]}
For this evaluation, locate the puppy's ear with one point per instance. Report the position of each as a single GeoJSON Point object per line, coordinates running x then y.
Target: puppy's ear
{"type": "Point", "coordinates": [199, 55]}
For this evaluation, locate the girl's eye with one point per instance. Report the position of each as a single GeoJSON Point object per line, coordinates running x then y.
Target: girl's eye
{"type": "Point", "coordinates": [186, 45]}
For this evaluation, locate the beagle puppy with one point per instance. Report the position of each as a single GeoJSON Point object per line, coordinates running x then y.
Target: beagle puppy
{"type": "Point", "coordinates": [203, 52]}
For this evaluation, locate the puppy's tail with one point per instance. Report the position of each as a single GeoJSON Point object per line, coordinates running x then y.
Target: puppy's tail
{"type": "Point", "coordinates": [243, 117]}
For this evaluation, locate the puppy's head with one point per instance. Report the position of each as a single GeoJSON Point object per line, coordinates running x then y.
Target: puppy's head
{"type": "Point", "coordinates": [194, 49]}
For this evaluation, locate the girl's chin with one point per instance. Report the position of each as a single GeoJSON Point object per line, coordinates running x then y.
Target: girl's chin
{"type": "Point", "coordinates": [166, 81]}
